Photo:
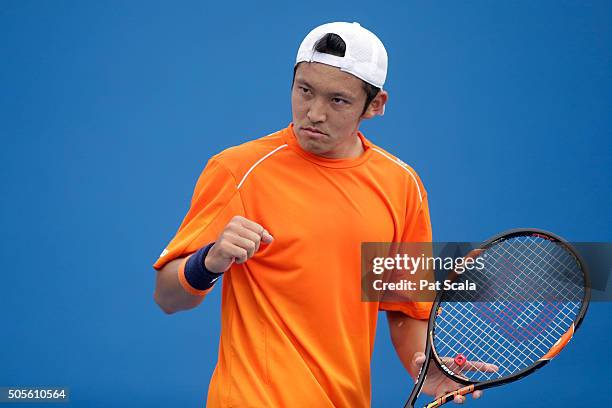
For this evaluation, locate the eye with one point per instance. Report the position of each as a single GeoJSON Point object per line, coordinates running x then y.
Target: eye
{"type": "Point", "coordinates": [304, 90]}
{"type": "Point", "coordinates": [340, 101]}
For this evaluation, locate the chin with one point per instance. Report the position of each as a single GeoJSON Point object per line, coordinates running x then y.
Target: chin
{"type": "Point", "coordinates": [312, 146]}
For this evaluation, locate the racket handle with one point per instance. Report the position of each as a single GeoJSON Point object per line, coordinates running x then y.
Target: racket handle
{"type": "Point", "coordinates": [450, 396]}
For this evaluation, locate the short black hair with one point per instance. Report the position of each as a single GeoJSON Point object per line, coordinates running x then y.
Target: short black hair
{"type": "Point", "coordinates": [333, 44]}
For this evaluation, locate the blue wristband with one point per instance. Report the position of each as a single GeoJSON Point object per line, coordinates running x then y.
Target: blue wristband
{"type": "Point", "coordinates": [196, 273]}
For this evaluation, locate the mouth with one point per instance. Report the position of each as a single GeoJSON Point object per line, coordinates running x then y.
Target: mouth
{"type": "Point", "coordinates": [312, 132]}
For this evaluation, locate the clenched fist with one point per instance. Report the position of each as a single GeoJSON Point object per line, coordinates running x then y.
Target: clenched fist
{"type": "Point", "coordinates": [238, 242]}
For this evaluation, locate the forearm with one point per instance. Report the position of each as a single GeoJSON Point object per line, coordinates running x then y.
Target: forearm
{"type": "Point", "coordinates": [169, 294]}
{"type": "Point", "coordinates": [408, 336]}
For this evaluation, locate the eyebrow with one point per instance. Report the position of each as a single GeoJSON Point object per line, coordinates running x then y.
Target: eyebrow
{"type": "Point", "coordinates": [336, 94]}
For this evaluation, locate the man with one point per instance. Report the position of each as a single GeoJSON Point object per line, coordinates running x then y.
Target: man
{"type": "Point", "coordinates": [282, 218]}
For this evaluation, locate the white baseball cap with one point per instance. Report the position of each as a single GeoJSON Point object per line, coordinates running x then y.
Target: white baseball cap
{"type": "Point", "coordinates": [365, 55]}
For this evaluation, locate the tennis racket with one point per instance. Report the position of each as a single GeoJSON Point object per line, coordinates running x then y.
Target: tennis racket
{"type": "Point", "coordinates": [531, 295]}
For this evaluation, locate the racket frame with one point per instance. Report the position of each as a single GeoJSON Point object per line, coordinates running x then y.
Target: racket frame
{"type": "Point", "coordinates": [471, 386]}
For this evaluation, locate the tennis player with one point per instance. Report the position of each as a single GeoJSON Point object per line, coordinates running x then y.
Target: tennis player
{"type": "Point", "coordinates": [280, 221]}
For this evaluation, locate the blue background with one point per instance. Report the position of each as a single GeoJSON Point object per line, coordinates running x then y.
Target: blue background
{"type": "Point", "coordinates": [110, 110]}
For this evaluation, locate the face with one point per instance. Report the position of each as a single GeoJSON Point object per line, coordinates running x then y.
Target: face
{"type": "Point", "coordinates": [327, 106]}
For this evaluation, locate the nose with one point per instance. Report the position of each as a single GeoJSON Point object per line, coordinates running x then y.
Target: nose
{"type": "Point", "coordinates": [316, 111]}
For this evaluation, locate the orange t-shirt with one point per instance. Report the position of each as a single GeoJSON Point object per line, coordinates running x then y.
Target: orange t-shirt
{"type": "Point", "coordinates": [294, 330]}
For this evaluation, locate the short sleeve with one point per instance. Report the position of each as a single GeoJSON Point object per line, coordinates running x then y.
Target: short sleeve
{"type": "Point", "coordinates": [215, 201]}
{"type": "Point", "coordinates": [417, 229]}
{"type": "Point", "coordinates": [418, 226]}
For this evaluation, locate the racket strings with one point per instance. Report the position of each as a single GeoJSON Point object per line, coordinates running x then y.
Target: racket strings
{"type": "Point", "coordinates": [528, 295]}
{"type": "Point", "coordinates": [483, 341]}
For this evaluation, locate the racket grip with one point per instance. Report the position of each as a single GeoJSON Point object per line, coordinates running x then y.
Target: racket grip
{"type": "Point", "coordinates": [450, 396]}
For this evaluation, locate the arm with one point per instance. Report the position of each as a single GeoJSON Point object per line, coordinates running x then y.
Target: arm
{"type": "Point", "coordinates": [169, 293]}
{"type": "Point", "coordinates": [408, 336]}
{"type": "Point", "coordinates": [239, 241]}
{"type": "Point", "coordinates": [215, 201]}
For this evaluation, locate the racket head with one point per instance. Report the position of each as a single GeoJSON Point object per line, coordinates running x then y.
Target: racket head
{"type": "Point", "coordinates": [523, 331]}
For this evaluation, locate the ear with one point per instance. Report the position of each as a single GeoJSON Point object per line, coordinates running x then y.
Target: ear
{"type": "Point", "coordinates": [377, 106]}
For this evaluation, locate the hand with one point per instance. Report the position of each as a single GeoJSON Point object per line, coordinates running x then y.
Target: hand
{"type": "Point", "coordinates": [239, 241]}
{"type": "Point", "coordinates": [438, 384]}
